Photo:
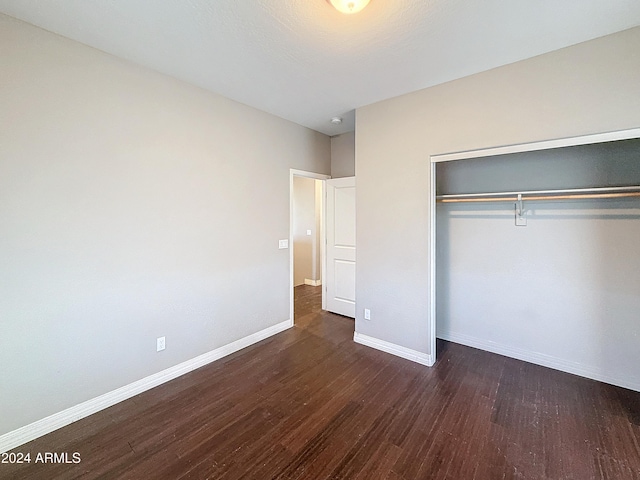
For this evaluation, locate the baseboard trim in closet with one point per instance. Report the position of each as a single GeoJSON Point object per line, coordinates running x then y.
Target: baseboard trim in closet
{"type": "Point", "coordinates": [542, 359]}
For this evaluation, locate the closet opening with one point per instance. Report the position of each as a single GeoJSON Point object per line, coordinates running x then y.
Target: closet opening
{"type": "Point", "coordinates": [536, 253]}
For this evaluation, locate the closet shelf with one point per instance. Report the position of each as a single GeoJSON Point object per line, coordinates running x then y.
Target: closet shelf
{"type": "Point", "coordinates": [566, 194]}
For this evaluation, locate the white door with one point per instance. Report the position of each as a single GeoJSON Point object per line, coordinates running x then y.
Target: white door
{"type": "Point", "coordinates": [340, 275]}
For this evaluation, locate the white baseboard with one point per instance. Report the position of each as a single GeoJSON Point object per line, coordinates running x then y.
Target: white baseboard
{"type": "Point", "coordinates": [313, 283]}
{"type": "Point", "coordinates": [58, 420]}
{"type": "Point", "coordinates": [543, 359]}
{"type": "Point", "coordinates": [393, 349]}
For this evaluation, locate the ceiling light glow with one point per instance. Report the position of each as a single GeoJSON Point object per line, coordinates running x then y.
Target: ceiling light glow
{"type": "Point", "coordinates": [349, 6]}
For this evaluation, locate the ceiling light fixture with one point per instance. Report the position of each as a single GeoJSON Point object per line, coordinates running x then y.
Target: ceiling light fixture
{"type": "Point", "coordinates": [336, 120]}
{"type": "Point", "coordinates": [349, 6]}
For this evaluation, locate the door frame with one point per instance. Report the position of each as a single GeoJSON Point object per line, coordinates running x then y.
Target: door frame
{"type": "Point", "coordinates": [489, 152]}
{"type": "Point", "coordinates": [316, 176]}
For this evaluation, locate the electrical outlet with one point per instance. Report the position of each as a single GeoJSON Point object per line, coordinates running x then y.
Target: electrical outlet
{"type": "Point", "coordinates": [367, 314]}
{"type": "Point", "coordinates": [160, 344]}
{"type": "Point", "coordinates": [283, 244]}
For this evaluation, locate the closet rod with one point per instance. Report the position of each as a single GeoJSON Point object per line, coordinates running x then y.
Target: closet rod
{"type": "Point", "coordinates": [566, 194]}
{"type": "Point", "coordinates": [542, 197]}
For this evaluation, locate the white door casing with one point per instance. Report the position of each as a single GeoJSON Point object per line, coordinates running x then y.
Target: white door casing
{"type": "Point", "coordinates": [340, 272]}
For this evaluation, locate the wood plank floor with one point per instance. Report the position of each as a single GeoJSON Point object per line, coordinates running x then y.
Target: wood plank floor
{"type": "Point", "coordinates": [310, 404]}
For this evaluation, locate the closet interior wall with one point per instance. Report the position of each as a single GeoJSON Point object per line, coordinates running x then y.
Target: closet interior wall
{"type": "Point", "coordinates": [562, 291]}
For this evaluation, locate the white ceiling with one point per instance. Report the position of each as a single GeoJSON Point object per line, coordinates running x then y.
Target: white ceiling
{"type": "Point", "coordinates": [303, 61]}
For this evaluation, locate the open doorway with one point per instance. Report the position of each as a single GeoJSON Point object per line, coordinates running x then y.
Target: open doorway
{"type": "Point", "coordinates": [307, 242]}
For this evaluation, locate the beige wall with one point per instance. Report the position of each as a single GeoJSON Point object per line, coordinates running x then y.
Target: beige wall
{"type": "Point", "coordinates": [588, 88]}
{"type": "Point", "coordinates": [343, 155]}
{"type": "Point", "coordinates": [132, 206]}
{"type": "Point", "coordinates": [304, 218]}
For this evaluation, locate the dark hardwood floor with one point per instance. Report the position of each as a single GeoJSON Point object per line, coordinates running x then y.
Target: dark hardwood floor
{"type": "Point", "coordinates": [309, 403]}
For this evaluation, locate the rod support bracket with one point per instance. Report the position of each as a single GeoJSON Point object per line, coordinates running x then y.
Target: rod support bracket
{"type": "Point", "coordinates": [521, 211]}
{"type": "Point", "coordinates": [521, 218]}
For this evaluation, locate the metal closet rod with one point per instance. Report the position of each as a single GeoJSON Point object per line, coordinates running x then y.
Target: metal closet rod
{"type": "Point", "coordinates": [565, 194]}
